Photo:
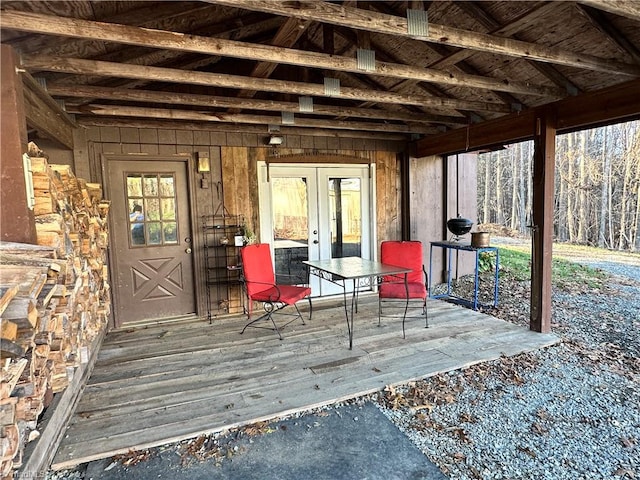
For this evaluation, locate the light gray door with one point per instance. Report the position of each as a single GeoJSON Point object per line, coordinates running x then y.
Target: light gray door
{"type": "Point", "coordinates": [151, 241]}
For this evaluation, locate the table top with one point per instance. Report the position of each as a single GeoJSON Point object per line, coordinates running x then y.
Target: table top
{"type": "Point", "coordinates": [355, 267]}
{"type": "Point", "coordinates": [460, 246]}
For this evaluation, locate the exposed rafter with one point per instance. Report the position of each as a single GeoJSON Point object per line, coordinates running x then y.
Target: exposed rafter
{"type": "Point", "coordinates": [215, 46]}
{"type": "Point", "coordinates": [617, 103]}
{"type": "Point", "coordinates": [202, 116]}
{"type": "Point", "coordinates": [287, 36]}
{"type": "Point", "coordinates": [624, 8]}
{"type": "Point", "coordinates": [476, 11]}
{"type": "Point", "coordinates": [132, 122]}
{"type": "Point", "coordinates": [90, 67]}
{"type": "Point", "coordinates": [381, 23]}
{"type": "Point", "coordinates": [598, 19]}
{"type": "Point", "coordinates": [168, 98]}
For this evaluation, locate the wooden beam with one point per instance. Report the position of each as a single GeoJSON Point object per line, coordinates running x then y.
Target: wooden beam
{"type": "Point", "coordinates": [239, 128]}
{"type": "Point", "coordinates": [321, 11]}
{"type": "Point", "coordinates": [146, 16]}
{"type": "Point", "coordinates": [17, 223]}
{"type": "Point", "coordinates": [286, 36]}
{"type": "Point", "coordinates": [45, 115]}
{"type": "Point", "coordinates": [144, 112]}
{"type": "Point", "coordinates": [47, 24]}
{"type": "Point", "coordinates": [543, 199]}
{"type": "Point", "coordinates": [476, 11]}
{"type": "Point", "coordinates": [624, 8]}
{"type": "Point", "coordinates": [109, 69]}
{"type": "Point", "coordinates": [165, 97]}
{"type": "Point", "coordinates": [600, 21]}
{"type": "Point", "coordinates": [507, 30]}
{"type": "Point", "coordinates": [613, 104]}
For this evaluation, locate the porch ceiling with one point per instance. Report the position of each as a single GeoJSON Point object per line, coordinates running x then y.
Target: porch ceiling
{"type": "Point", "coordinates": [165, 383]}
{"type": "Point", "coordinates": [241, 64]}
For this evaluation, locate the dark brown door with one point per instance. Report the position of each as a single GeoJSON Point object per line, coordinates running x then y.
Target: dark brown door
{"type": "Point", "coordinates": [151, 240]}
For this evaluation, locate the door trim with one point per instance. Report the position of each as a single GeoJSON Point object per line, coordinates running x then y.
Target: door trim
{"type": "Point", "coordinates": [197, 261]}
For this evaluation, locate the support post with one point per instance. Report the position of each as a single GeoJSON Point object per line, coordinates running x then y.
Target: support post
{"type": "Point", "coordinates": [17, 223]}
{"type": "Point", "coordinates": [542, 235]}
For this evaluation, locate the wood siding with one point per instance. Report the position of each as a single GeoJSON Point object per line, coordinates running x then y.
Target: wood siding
{"type": "Point", "coordinates": [432, 201]}
{"type": "Point", "coordinates": [233, 177]}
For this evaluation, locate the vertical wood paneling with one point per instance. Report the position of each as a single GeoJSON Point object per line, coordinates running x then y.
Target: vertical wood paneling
{"type": "Point", "coordinates": [81, 154]}
{"type": "Point", "coordinates": [427, 213]}
{"type": "Point", "coordinates": [388, 196]}
{"type": "Point", "coordinates": [233, 175]}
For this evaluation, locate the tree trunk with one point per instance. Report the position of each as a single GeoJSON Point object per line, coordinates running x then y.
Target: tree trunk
{"type": "Point", "coordinates": [529, 206]}
{"type": "Point", "coordinates": [516, 172]}
{"type": "Point", "coordinates": [623, 228]}
{"type": "Point", "coordinates": [499, 209]}
{"type": "Point", "coordinates": [561, 214]}
{"type": "Point", "coordinates": [486, 205]}
{"type": "Point", "coordinates": [583, 186]}
{"type": "Point", "coordinates": [570, 154]}
{"type": "Point", "coordinates": [604, 191]}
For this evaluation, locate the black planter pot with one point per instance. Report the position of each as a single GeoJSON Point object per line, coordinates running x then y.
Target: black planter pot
{"type": "Point", "coordinates": [459, 226]}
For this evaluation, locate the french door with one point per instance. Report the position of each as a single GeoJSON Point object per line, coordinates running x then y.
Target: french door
{"type": "Point", "coordinates": [314, 213]}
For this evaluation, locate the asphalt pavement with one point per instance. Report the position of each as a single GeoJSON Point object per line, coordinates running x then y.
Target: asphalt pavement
{"type": "Point", "coordinates": [341, 443]}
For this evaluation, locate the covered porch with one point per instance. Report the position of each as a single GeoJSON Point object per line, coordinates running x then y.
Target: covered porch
{"type": "Point", "coordinates": [165, 382]}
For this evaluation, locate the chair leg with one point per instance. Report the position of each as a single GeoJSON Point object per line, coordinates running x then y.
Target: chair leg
{"type": "Point", "coordinates": [267, 316]}
{"type": "Point", "coordinates": [404, 317]}
{"type": "Point", "coordinates": [310, 307]}
{"type": "Point", "coordinates": [275, 327]}
{"type": "Point", "coordinates": [299, 314]}
{"type": "Point", "coordinates": [379, 310]}
{"type": "Point", "coordinates": [426, 315]}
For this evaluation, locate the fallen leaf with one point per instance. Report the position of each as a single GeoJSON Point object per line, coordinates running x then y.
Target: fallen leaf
{"type": "Point", "coordinates": [628, 442]}
{"type": "Point", "coordinates": [526, 450]}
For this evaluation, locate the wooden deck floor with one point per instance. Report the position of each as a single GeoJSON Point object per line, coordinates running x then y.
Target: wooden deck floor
{"type": "Point", "coordinates": [168, 382]}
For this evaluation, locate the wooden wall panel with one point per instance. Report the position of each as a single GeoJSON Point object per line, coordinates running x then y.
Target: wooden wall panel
{"type": "Point", "coordinates": [433, 202]}
{"type": "Point", "coordinates": [465, 204]}
{"type": "Point", "coordinates": [426, 204]}
{"type": "Point", "coordinates": [388, 226]}
{"type": "Point", "coordinates": [235, 179]}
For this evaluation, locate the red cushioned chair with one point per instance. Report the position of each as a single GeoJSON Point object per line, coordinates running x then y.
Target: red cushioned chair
{"type": "Point", "coordinates": [260, 283]}
{"type": "Point", "coordinates": [400, 288]}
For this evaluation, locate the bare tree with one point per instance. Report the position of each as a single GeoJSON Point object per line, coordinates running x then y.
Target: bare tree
{"type": "Point", "coordinates": [486, 213]}
{"type": "Point", "coordinates": [597, 198]}
{"type": "Point", "coordinates": [498, 190]}
{"type": "Point", "coordinates": [604, 190]}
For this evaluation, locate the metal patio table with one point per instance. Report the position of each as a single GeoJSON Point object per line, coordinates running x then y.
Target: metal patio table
{"type": "Point", "coordinates": [362, 272]}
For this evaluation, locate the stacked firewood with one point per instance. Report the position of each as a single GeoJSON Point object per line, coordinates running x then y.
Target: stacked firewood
{"type": "Point", "coordinates": [54, 302]}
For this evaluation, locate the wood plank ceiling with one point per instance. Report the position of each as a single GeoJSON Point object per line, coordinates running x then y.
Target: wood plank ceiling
{"type": "Point", "coordinates": [252, 66]}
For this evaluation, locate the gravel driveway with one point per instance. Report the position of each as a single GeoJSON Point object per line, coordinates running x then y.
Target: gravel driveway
{"type": "Point", "coordinates": [571, 411]}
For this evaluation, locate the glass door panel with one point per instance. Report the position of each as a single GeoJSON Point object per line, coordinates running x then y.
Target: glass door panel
{"type": "Point", "coordinates": [345, 213]}
{"type": "Point", "coordinates": [343, 209]}
{"type": "Point", "coordinates": [290, 224]}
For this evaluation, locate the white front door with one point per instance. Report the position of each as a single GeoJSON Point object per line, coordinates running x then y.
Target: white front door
{"type": "Point", "coordinates": [315, 212]}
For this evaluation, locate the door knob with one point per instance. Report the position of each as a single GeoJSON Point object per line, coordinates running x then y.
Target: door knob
{"type": "Point", "coordinates": [187, 250]}
{"type": "Point", "coordinates": [316, 242]}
